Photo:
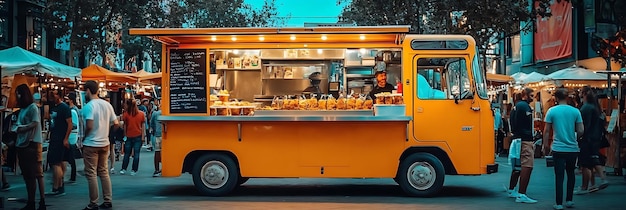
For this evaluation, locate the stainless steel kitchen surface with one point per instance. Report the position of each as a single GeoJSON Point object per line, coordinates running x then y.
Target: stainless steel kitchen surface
{"type": "Point", "coordinates": [243, 84]}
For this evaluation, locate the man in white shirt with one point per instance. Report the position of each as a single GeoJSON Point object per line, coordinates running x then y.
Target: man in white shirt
{"type": "Point", "coordinates": [99, 116]}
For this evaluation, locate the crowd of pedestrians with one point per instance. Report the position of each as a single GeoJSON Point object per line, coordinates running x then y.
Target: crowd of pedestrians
{"type": "Point", "coordinates": [571, 137]}
{"type": "Point", "coordinates": [94, 133]}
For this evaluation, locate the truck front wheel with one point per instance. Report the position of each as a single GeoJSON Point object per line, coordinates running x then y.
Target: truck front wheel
{"type": "Point", "coordinates": [421, 174]}
{"type": "Point", "coordinates": [215, 174]}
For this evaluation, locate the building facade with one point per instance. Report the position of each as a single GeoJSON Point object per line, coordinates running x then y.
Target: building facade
{"type": "Point", "coordinates": [21, 24]}
{"type": "Point", "coordinates": [566, 38]}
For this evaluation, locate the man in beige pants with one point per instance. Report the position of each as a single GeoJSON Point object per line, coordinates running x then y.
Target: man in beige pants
{"type": "Point", "coordinates": [99, 116]}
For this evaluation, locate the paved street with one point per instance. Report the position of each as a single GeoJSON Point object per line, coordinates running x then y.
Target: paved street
{"type": "Point", "coordinates": [460, 192]}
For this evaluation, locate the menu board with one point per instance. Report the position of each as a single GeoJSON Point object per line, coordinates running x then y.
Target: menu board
{"type": "Point", "coordinates": [188, 83]}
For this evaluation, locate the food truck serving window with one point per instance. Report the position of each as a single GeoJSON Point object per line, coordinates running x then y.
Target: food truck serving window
{"type": "Point", "coordinates": [439, 45]}
{"type": "Point", "coordinates": [188, 81]}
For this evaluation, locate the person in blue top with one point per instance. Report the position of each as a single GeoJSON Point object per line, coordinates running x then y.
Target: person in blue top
{"type": "Point", "coordinates": [567, 124]}
{"type": "Point", "coordinates": [156, 127]}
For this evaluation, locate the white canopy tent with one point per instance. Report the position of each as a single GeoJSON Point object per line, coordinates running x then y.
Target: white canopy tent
{"type": "Point", "coordinates": [517, 76]}
{"type": "Point", "coordinates": [531, 78]}
{"type": "Point", "coordinates": [16, 60]}
{"type": "Point", "coordinates": [574, 73]}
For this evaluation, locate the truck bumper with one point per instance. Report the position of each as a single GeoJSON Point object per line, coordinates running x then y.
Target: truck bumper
{"type": "Point", "coordinates": [492, 168]}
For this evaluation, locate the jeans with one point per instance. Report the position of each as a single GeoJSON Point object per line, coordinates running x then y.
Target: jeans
{"type": "Point", "coordinates": [132, 146]}
{"type": "Point", "coordinates": [564, 163]}
{"type": "Point", "coordinates": [96, 159]}
{"type": "Point", "coordinates": [72, 162]}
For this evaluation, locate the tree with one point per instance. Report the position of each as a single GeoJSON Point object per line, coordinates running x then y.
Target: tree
{"type": "Point", "coordinates": [487, 21]}
{"type": "Point", "coordinates": [97, 26]}
{"type": "Point", "coordinates": [83, 23]}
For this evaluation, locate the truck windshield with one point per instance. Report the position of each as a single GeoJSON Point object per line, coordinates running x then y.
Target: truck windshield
{"type": "Point", "coordinates": [479, 77]}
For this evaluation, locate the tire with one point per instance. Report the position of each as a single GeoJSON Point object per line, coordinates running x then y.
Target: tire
{"type": "Point", "coordinates": [421, 175]}
{"type": "Point", "coordinates": [215, 174]}
{"type": "Point", "coordinates": [242, 180]}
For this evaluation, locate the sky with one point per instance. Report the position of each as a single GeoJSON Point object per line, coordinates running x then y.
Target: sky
{"type": "Point", "coordinates": [301, 11]}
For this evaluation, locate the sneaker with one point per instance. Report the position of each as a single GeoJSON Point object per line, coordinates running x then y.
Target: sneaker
{"type": "Point", "coordinates": [106, 205]}
{"type": "Point", "coordinates": [593, 189]}
{"type": "Point", "coordinates": [512, 193]}
{"type": "Point", "coordinates": [581, 192]}
{"type": "Point", "coordinates": [604, 184]}
{"type": "Point", "coordinates": [53, 192]}
{"type": "Point", "coordinates": [156, 174]}
{"type": "Point", "coordinates": [557, 207]}
{"type": "Point", "coordinates": [569, 204]}
{"type": "Point", "coordinates": [91, 206]}
{"type": "Point", "coordinates": [133, 173]}
{"type": "Point", "coordinates": [522, 198]}
{"type": "Point", "coordinates": [5, 187]}
{"type": "Point", "coordinates": [113, 171]}
{"type": "Point", "coordinates": [59, 192]}
{"type": "Point", "coordinates": [122, 172]}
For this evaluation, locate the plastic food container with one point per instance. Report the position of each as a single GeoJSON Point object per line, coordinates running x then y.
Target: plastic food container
{"type": "Point", "coordinates": [397, 98]}
{"type": "Point", "coordinates": [222, 110]}
{"type": "Point", "coordinates": [235, 110]}
{"type": "Point", "coordinates": [247, 110]}
{"type": "Point", "coordinates": [223, 97]}
{"type": "Point", "coordinates": [213, 111]}
{"type": "Point", "coordinates": [389, 110]}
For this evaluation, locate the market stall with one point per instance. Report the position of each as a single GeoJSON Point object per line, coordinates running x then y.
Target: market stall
{"type": "Point", "coordinates": [16, 60]}
{"type": "Point", "coordinates": [101, 74]}
{"type": "Point", "coordinates": [616, 127]}
{"type": "Point", "coordinates": [146, 77]}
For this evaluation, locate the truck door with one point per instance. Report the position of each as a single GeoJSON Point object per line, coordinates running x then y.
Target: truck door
{"type": "Point", "coordinates": [444, 107]}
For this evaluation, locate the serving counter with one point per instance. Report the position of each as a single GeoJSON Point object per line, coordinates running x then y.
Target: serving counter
{"type": "Point", "coordinates": [284, 118]}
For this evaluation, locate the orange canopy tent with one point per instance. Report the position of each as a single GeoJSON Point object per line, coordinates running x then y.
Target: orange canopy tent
{"type": "Point", "coordinates": [95, 72]}
{"type": "Point", "coordinates": [499, 78]}
{"type": "Point", "coordinates": [143, 75]}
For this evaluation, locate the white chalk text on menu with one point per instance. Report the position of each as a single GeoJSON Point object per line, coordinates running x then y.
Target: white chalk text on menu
{"type": "Point", "coordinates": [188, 92]}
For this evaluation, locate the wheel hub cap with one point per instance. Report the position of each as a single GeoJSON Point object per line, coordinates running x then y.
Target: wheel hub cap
{"type": "Point", "coordinates": [214, 174]}
{"type": "Point", "coordinates": [421, 175]}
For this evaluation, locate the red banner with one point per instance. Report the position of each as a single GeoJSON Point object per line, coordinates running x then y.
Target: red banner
{"type": "Point", "coordinates": [553, 39]}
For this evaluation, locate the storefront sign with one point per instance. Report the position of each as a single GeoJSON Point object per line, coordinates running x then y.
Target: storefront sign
{"type": "Point", "coordinates": [553, 39]}
{"type": "Point", "coordinates": [188, 83]}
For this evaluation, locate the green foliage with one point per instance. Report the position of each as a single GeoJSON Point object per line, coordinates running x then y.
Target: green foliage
{"type": "Point", "coordinates": [483, 19]}
{"type": "Point", "coordinates": [95, 26]}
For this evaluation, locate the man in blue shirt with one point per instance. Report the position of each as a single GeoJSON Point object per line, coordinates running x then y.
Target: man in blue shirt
{"type": "Point", "coordinates": [567, 124]}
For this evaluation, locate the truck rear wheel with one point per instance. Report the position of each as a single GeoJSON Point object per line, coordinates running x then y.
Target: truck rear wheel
{"type": "Point", "coordinates": [215, 174]}
{"type": "Point", "coordinates": [421, 174]}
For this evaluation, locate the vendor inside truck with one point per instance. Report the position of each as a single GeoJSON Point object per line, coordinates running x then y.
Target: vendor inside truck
{"type": "Point", "coordinates": [381, 84]}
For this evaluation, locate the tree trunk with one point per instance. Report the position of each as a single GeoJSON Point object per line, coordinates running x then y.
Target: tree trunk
{"type": "Point", "coordinates": [73, 35]}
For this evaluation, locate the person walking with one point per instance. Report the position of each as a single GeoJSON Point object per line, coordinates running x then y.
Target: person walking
{"type": "Point", "coordinates": [134, 126]}
{"type": "Point", "coordinates": [99, 116]}
{"type": "Point", "coordinates": [589, 157]}
{"type": "Point", "coordinates": [522, 128]}
{"type": "Point", "coordinates": [77, 132]}
{"type": "Point", "coordinates": [567, 124]}
{"type": "Point", "coordinates": [59, 146]}
{"type": "Point", "coordinates": [156, 127]}
{"type": "Point", "coordinates": [29, 146]}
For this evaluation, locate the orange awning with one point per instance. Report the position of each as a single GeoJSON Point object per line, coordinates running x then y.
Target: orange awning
{"type": "Point", "coordinates": [499, 78]}
{"type": "Point", "coordinates": [311, 35]}
{"type": "Point", "coordinates": [143, 75]}
{"type": "Point", "coordinates": [95, 72]}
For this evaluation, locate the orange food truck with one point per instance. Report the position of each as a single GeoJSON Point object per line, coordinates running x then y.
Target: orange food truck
{"type": "Point", "coordinates": [236, 106]}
